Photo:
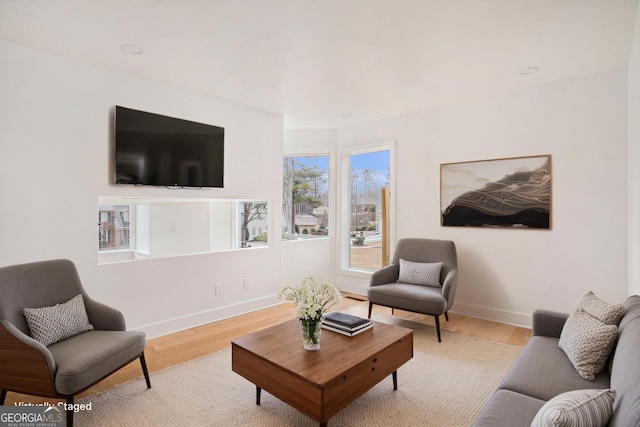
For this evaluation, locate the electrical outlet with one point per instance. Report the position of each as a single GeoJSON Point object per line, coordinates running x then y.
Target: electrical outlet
{"type": "Point", "coordinates": [218, 290]}
{"type": "Point", "coordinates": [245, 283]}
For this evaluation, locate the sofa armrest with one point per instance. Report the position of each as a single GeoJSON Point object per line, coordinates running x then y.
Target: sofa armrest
{"type": "Point", "coordinates": [548, 323]}
{"type": "Point", "coordinates": [449, 287]}
{"type": "Point", "coordinates": [26, 365]}
{"type": "Point", "coordinates": [388, 274]}
{"type": "Point", "coordinates": [103, 317]}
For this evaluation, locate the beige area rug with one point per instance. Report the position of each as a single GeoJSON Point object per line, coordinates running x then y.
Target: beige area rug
{"type": "Point", "coordinates": [444, 385]}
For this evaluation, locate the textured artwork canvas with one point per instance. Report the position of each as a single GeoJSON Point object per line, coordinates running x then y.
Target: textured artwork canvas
{"type": "Point", "coordinates": [513, 192]}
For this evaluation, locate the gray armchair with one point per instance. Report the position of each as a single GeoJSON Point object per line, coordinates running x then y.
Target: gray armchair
{"type": "Point", "coordinates": [386, 290]}
{"type": "Point", "coordinates": [69, 366]}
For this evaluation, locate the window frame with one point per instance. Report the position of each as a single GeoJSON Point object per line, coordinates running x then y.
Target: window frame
{"type": "Point", "coordinates": [331, 188]}
{"type": "Point", "coordinates": [131, 228]}
{"type": "Point", "coordinates": [344, 182]}
{"type": "Point", "coordinates": [237, 224]}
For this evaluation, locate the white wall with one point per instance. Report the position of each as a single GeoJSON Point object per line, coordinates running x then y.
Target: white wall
{"type": "Point", "coordinates": [634, 161]}
{"type": "Point", "coordinates": [221, 227]}
{"type": "Point", "coordinates": [55, 132]}
{"type": "Point", "coordinates": [178, 228]}
{"type": "Point", "coordinates": [505, 274]}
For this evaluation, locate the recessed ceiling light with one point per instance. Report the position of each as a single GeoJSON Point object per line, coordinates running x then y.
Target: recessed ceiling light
{"type": "Point", "coordinates": [131, 49]}
{"type": "Point", "coordinates": [529, 70]}
{"type": "Point", "coordinates": [345, 116]}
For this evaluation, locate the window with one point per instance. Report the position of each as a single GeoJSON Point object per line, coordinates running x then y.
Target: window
{"type": "Point", "coordinates": [253, 214]}
{"type": "Point", "coordinates": [114, 227]}
{"type": "Point", "coordinates": [366, 184]}
{"type": "Point", "coordinates": [130, 229]}
{"type": "Point", "coordinates": [305, 204]}
{"type": "Point", "coordinates": [104, 238]}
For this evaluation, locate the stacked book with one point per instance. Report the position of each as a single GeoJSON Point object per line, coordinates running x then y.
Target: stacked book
{"type": "Point", "coordinates": [345, 324]}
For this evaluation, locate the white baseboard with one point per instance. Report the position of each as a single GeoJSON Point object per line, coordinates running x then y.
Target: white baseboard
{"type": "Point", "coordinates": [190, 321]}
{"type": "Point", "coordinates": [503, 316]}
{"type": "Point", "coordinates": [353, 288]}
{"type": "Point", "coordinates": [181, 323]}
{"type": "Point", "coordinates": [487, 313]}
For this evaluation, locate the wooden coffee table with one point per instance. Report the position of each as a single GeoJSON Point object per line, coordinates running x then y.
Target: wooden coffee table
{"type": "Point", "coordinates": [320, 383]}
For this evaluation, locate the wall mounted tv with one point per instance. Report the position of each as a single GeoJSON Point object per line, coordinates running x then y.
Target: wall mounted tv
{"type": "Point", "coordinates": [151, 149]}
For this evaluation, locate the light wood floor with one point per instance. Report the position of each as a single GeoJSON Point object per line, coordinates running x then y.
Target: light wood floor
{"type": "Point", "coordinates": [195, 342]}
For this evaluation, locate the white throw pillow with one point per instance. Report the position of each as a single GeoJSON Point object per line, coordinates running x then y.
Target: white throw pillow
{"type": "Point", "coordinates": [577, 408]}
{"type": "Point", "coordinates": [587, 342]}
{"type": "Point", "coordinates": [49, 325]}
{"type": "Point", "coordinates": [420, 273]}
{"type": "Point", "coordinates": [603, 311]}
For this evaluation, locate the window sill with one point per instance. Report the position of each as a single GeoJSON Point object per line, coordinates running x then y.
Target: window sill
{"type": "Point", "coordinates": [363, 274]}
{"type": "Point", "coordinates": [130, 255]}
{"type": "Point", "coordinates": [302, 239]}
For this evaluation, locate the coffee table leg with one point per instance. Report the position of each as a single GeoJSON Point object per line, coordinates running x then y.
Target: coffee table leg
{"type": "Point", "coordinates": [394, 375]}
{"type": "Point", "coordinates": [258, 392]}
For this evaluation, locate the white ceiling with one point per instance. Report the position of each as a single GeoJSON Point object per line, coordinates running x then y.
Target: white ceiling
{"type": "Point", "coordinates": [314, 60]}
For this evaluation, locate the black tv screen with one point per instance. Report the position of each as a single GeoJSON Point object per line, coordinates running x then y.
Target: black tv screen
{"type": "Point", "coordinates": [151, 149]}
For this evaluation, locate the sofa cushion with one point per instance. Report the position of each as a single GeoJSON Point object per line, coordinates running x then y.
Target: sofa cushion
{"type": "Point", "coordinates": [49, 325]}
{"type": "Point", "coordinates": [420, 273]}
{"type": "Point", "coordinates": [86, 358]}
{"type": "Point", "coordinates": [609, 314]}
{"type": "Point", "coordinates": [416, 298]}
{"type": "Point", "coordinates": [577, 408]}
{"type": "Point", "coordinates": [587, 343]}
{"type": "Point", "coordinates": [546, 377]}
{"type": "Point", "coordinates": [507, 408]}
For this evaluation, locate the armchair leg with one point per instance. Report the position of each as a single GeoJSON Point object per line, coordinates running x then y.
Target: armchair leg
{"type": "Point", "coordinates": [3, 396]}
{"type": "Point", "coordinates": [69, 411]}
{"type": "Point", "coordinates": [438, 327]}
{"type": "Point", "coordinates": [370, 308]}
{"type": "Point", "coordinates": [446, 315]}
{"type": "Point", "coordinates": [143, 363]}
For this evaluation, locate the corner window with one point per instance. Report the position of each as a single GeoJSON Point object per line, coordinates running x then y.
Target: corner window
{"type": "Point", "coordinates": [305, 204]}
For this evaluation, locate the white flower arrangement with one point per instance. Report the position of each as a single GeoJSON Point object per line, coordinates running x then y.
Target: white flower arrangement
{"type": "Point", "coordinates": [312, 298]}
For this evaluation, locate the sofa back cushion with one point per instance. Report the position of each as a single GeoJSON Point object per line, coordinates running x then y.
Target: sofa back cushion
{"type": "Point", "coordinates": [632, 308]}
{"type": "Point", "coordinates": [625, 375]}
{"type": "Point", "coordinates": [38, 284]}
{"type": "Point", "coordinates": [427, 250]}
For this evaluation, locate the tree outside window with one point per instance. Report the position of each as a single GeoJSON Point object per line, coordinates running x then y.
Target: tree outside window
{"type": "Point", "coordinates": [253, 220]}
{"type": "Point", "coordinates": [370, 175]}
{"type": "Point", "coordinates": [305, 204]}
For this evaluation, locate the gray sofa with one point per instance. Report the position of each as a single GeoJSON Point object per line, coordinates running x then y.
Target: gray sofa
{"type": "Point", "coordinates": [543, 371]}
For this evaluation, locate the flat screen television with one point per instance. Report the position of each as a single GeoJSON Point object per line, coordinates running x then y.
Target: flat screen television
{"type": "Point", "coordinates": [151, 149]}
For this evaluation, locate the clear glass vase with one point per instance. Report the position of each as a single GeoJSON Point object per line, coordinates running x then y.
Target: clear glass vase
{"type": "Point", "coordinates": [311, 333]}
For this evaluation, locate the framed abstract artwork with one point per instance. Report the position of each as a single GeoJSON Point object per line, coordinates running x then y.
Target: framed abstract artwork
{"type": "Point", "coordinates": [511, 193]}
